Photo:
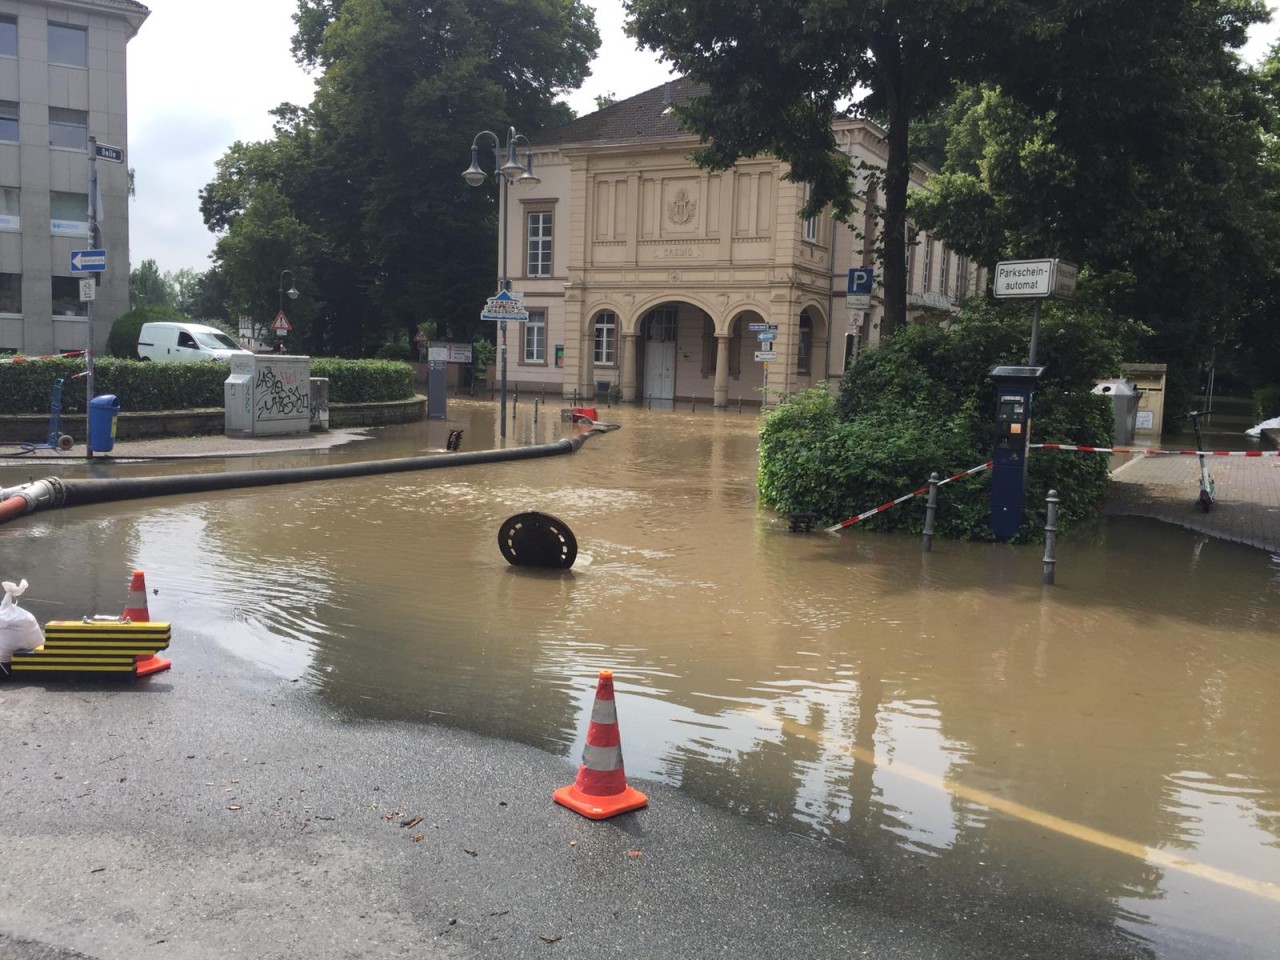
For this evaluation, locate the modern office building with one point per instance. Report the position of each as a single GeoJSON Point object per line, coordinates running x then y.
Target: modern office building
{"type": "Point", "coordinates": [62, 81]}
{"type": "Point", "coordinates": [650, 277]}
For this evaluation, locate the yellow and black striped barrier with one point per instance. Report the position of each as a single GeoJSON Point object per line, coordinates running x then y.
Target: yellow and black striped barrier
{"type": "Point", "coordinates": [97, 646]}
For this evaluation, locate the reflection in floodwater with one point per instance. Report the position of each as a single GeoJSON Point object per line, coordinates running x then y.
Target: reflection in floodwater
{"type": "Point", "coordinates": [1104, 751]}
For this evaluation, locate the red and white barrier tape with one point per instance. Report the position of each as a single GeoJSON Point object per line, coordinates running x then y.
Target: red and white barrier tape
{"type": "Point", "coordinates": [1155, 453]}
{"type": "Point", "coordinates": [47, 356]}
{"type": "Point", "coordinates": [903, 499]}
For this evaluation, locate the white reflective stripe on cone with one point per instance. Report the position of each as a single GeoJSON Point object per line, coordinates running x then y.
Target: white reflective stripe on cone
{"type": "Point", "coordinates": [601, 758]}
{"type": "Point", "coordinates": [605, 711]}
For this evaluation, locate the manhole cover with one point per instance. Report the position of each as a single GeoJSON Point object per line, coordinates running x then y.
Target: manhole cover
{"type": "Point", "coordinates": [537, 540]}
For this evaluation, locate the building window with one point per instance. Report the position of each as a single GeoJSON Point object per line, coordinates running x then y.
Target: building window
{"type": "Point", "coordinates": [68, 45]}
{"type": "Point", "coordinates": [926, 281]}
{"type": "Point", "coordinates": [8, 120]}
{"type": "Point", "coordinates": [661, 327]}
{"type": "Point", "coordinates": [944, 270]}
{"type": "Point", "coordinates": [538, 262]}
{"type": "Point", "coordinates": [804, 346]}
{"type": "Point", "coordinates": [69, 213]}
{"type": "Point", "coordinates": [66, 298]}
{"type": "Point", "coordinates": [535, 337]}
{"type": "Point", "coordinates": [606, 339]}
{"type": "Point", "coordinates": [68, 128]}
{"type": "Point", "coordinates": [962, 278]}
{"type": "Point", "coordinates": [810, 223]}
{"type": "Point", "coordinates": [11, 293]}
{"type": "Point", "coordinates": [9, 215]}
{"type": "Point", "coordinates": [8, 37]}
{"type": "Point", "coordinates": [911, 264]}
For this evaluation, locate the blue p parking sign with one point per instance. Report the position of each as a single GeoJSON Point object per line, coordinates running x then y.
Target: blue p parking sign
{"type": "Point", "coordinates": [861, 283]}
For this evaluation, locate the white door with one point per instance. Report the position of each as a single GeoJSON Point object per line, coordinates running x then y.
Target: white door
{"type": "Point", "coordinates": [660, 370]}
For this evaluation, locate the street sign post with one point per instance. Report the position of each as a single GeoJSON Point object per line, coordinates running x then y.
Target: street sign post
{"type": "Point", "coordinates": [765, 336]}
{"type": "Point", "coordinates": [764, 356]}
{"type": "Point", "coordinates": [1034, 279]}
{"type": "Point", "coordinates": [88, 261]}
{"type": "Point", "coordinates": [281, 324]}
{"type": "Point", "coordinates": [757, 327]}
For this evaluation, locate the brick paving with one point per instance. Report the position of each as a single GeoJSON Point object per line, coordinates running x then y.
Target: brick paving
{"type": "Point", "coordinates": [1246, 489]}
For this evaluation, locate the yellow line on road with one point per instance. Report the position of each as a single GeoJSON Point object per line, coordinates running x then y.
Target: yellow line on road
{"type": "Point", "coordinates": [1078, 831]}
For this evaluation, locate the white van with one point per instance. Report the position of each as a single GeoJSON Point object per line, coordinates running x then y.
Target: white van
{"type": "Point", "coordinates": [184, 342]}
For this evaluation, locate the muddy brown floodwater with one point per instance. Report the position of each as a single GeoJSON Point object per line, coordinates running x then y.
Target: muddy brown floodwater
{"type": "Point", "coordinates": [1109, 744]}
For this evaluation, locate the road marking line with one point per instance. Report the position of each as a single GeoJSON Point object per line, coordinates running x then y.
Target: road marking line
{"type": "Point", "coordinates": [1078, 831]}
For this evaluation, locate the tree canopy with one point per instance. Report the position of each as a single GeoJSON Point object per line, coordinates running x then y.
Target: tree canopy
{"type": "Point", "coordinates": [1108, 104]}
{"type": "Point", "coordinates": [360, 193]}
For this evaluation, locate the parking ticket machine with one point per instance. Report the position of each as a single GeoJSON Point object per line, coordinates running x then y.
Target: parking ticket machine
{"type": "Point", "coordinates": [1014, 387]}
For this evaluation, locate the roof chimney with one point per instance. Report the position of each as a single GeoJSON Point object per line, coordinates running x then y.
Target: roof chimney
{"type": "Point", "coordinates": [666, 93]}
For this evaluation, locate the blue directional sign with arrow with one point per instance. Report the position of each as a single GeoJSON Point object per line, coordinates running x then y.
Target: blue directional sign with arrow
{"type": "Point", "coordinates": [88, 261]}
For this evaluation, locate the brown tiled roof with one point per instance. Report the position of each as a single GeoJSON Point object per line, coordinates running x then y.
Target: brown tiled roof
{"type": "Point", "coordinates": [642, 117]}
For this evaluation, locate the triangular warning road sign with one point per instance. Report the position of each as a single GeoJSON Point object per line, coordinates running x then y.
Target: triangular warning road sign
{"type": "Point", "coordinates": [281, 323]}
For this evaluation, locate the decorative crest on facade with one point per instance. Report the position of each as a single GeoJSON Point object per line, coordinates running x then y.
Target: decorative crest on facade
{"type": "Point", "coordinates": [681, 210]}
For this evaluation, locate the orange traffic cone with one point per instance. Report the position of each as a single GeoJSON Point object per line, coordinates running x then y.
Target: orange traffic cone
{"type": "Point", "coordinates": [135, 608]}
{"type": "Point", "coordinates": [601, 788]}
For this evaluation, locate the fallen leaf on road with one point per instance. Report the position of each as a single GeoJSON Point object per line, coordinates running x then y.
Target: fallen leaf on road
{"type": "Point", "coordinates": [411, 822]}
{"type": "Point", "coordinates": [469, 853]}
{"type": "Point", "coordinates": [635, 853]}
{"type": "Point", "coordinates": [547, 939]}
{"type": "Point", "coordinates": [417, 837]}
{"type": "Point", "coordinates": [234, 806]}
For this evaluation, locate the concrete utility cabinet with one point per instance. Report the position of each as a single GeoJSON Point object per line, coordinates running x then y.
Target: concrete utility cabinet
{"type": "Point", "coordinates": [1124, 403]}
{"type": "Point", "coordinates": [1149, 380]}
{"type": "Point", "coordinates": [268, 394]}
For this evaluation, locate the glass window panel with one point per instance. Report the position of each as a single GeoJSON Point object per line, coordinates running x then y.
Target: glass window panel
{"type": "Point", "coordinates": [8, 120]}
{"type": "Point", "coordinates": [10, 293]}
{"type": "Point", "coordinates": [68, 45]}
{"type": "Point", "coordinates": [68, 128]}
{"type": "Point", "coordinates": [539, 259]}
{"type": "Point", "coordinates": [66, 298]}
{"type": "Point", "coordinates": [606, 334]}
{"type": "Point", "coordinates": [535, 337]}
{"type": "Point", "coordinates": [69, 206]}
{"type": "Point", "coordinates": [8, 37]}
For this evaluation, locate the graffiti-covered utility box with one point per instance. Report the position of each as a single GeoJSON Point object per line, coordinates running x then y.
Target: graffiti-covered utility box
{"type": "Point", "coordinates": [268, 394]}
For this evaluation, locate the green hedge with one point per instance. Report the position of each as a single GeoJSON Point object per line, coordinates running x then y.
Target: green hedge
{"type": "Point", "coordinates": [145, 387]}
{"type": "Point", "coordinates": [923, 402]}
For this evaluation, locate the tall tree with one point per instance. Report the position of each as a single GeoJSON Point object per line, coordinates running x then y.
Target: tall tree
{"type": "Point", "coordinates": [148, 287]}
{"type": "Point", "coordinates": [365, 182]}
{"type": "Point", "coordinates": [776, 71]}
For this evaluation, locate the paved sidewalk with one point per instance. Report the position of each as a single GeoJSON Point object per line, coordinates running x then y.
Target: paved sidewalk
{"type": "Point", "coordinates": [1247, 491]}
{"type": "Point", "coordinates": [181, 448]}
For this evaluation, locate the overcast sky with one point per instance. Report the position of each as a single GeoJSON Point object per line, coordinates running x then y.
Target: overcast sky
{"type": "Point", "coordinates": [199, 82]}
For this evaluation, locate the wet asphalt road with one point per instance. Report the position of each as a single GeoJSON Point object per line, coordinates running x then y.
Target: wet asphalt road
{"type": "Point", "coordinates": [214, 811]}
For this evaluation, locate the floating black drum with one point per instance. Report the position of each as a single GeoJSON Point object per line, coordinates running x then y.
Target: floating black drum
{"type": "Point", "coordinates": [537, 540]}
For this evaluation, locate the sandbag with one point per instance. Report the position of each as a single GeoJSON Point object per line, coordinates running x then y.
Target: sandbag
{"type": "Point", "coordinates": [19, 630]}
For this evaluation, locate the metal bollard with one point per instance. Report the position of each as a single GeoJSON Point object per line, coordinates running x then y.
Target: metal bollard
{"type": "Point", "coordinates": [536, 404]}
{"type": "Point", "coordinates": [1050, 535]}
{"type": "Point", "coordinates": [739, 404]}
{"type": "Point", "coordinates": [693, 404]}
{"type": "Point", "coordinates": [930, 511]}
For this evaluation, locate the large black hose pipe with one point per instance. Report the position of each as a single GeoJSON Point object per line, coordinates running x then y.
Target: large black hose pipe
{"type": "Point", "coordinates": [55, 492]}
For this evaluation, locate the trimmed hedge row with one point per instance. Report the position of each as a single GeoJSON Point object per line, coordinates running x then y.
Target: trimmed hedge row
{"type": "Point", "coordinates": [147, 387]}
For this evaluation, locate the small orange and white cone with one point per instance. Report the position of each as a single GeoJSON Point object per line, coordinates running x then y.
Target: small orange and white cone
{"type": "Point", "coordinates": [601, 789]}
{"type": "Point", "coordinates": [135, 608]}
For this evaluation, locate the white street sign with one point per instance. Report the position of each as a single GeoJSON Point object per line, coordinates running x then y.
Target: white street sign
{"type": "Point", "coordinates": [88, 290]}
{"type": "Point", "coordinates": [1023, 278]}
{"type": "Point", "coordinates": [764, 356]}
{"type": "Point", "coordinates": [1034, 278]}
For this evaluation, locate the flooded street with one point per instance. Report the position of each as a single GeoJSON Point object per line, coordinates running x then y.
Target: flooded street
{"type": "Point", "coordinates": [1107, 749]}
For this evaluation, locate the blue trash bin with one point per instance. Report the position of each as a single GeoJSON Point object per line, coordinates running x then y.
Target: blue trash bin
{"type": "Point", "coordinates": [103, 412]}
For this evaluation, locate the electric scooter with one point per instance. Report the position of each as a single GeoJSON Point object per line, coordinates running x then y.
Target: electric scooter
{"type": "Point", "coordinates": [1205, 499]}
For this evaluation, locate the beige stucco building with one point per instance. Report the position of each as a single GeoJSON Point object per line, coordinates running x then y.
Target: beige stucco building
{"type": "Point", "coordinates": [62, 81]}
{"type": "Point", "coordinates": [645, 274]}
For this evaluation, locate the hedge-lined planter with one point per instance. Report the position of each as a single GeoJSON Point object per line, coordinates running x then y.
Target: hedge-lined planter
{"type": "Point", "coordinates": [34, 428]}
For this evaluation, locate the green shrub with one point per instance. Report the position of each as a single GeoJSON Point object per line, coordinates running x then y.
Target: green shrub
{"type": "Point", "coordinates": [144, 386]}
{"type": "Point", "coordinates": [123, 340]}
{"type": "Point", "coordinates": [1266, 402]}
{"type": "Point", "coordinates": [924, 402]}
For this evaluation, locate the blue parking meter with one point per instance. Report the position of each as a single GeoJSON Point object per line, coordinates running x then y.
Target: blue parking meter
{"type": "Point", "coordinates": [1014, 387]}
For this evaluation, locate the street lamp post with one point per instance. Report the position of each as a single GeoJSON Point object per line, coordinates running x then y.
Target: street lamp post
{"type": "Point", "coordinates": [505, 173]}
{"type": "Point", "coordinates": [292, 294]}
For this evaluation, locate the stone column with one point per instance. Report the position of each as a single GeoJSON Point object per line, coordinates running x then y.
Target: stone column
{"type": "Point", "coordinates": [628, 367]}
{"type": "Point", "coordinates": [722, 370]}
